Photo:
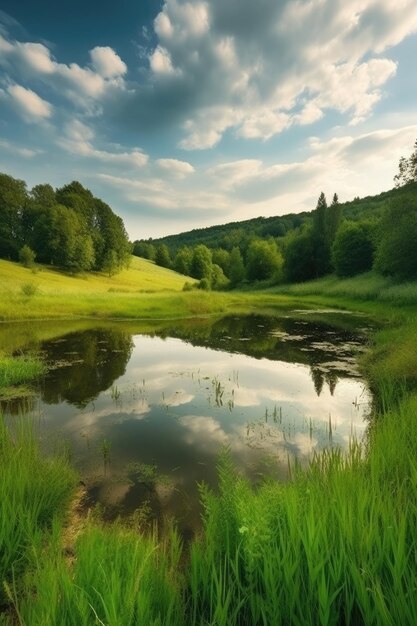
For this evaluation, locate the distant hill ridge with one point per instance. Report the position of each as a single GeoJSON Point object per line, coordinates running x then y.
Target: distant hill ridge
{"type": "Point", "coordinates": [228, 235]}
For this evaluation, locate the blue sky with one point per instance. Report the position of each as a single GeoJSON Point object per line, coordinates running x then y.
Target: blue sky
{"type": "Point", "coordinates": [187, 113]}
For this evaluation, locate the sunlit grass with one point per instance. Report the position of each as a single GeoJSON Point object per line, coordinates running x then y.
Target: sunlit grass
{"type": "Point", "coordinates": [369, 286]}
{"type": "Point", "coordinates": [34, 493]}
{"type": "Point", "coordinates": [335, 546]}
{"type": "Point", "coordinates": [118, 577]}
{"type": "Point", "coordinates": [17, 370]}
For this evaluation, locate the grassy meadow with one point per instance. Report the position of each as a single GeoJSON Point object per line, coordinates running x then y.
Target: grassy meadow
{"type": "Point", "coordinates": [336, 545]}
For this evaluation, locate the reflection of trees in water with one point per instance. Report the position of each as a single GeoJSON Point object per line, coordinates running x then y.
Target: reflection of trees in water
{"type": "Point", "coordinates": [289, 340]}
{"type": "Point", "coordinates": [319, 378]}
{"type": "Point", "coordinates": [84, 364]}
{"type": "Point", "coordinates": [18, 405]}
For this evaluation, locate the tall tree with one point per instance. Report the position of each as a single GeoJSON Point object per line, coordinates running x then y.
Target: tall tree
{"type": "Point", "coordinates": [396, 253]}
{"type": "Point", "coordinates": [334, 216]}
{"type": "Point", "coordinates": [407, 169]}
{"type": "Point", "coordinates": [183, 260]}
{"type": "Point", "coordinates": [353, 248]}
{"type": "Point", "coordinates": [236, 267]}
{"type": "Point", "coordinates": [201, 265]}
{"type": "Point", "coordinates": [263, 260]}
{"type": "Point", "coordinates": [320, 237]}
{"type": "Point", "coordinates": [13, 198]}
{"type": "Point", "coordinates": [162, 257]}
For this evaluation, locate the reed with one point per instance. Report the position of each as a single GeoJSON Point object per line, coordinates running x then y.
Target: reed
{"type": "Point", "coordinates": [34, 493]}
{"type": "Point", "coordinates": [118, 577]}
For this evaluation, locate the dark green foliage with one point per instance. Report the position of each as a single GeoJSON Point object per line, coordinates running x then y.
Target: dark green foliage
{"type": "Point", "coordinates": [218, 279]}
{"type": "Point", "coordinates": [396, 253]}
{"type": "Point", "coordinates": [201, 264]}
{"type": "Point", "coordinates": [204, 284]}
{"type": "Point", "coordinates": [162, 257]}
{"type": "Point", "coordinates": [299, 259]}
{"type": "Point", "coordinates": [236, 267]}
{"type": "Point", "coordinates": [110, 262]}
{"type": "Point", "coordinates": [27, 256]}
{"type": "Point", "coordinates": [144, 249]}
{"type": "Point", "coordinates": [13, 197]}
{"type": "Point", "coordinates": [263, 260]}
{"type": "Point", "coordinates": [222, 257]}
{"type": "Point", "coordinates": [183, 260]}
{"type": "Point", "coordinates": [334, 216]}
{"type": "Point", "coordinates": [353, 248]}
{"type": "Point", "coordinates": [69, 227]}
{"type": "Point", "coordinates": [320, 237]}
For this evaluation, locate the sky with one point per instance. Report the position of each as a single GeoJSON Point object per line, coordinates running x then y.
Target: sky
{"type": "Point", "coordinates": [184, 113]}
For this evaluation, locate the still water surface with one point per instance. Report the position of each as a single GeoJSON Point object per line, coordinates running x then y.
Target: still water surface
{"type": "Point", "coordinates": [145, 415]}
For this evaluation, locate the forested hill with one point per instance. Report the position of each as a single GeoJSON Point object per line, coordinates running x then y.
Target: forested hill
{"type": "Point", "coordinates": [229, 235]}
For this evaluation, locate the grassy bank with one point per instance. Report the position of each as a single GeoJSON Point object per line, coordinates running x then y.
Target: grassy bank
{"type": "Point", "coordinates": [34, 494]}
{"type": "Point", "coordinates": [18, 370]}
{"type": "Point", "coordinates": [336, 545]}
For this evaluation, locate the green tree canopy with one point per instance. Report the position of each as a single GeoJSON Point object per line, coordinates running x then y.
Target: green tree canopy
{"type": "Point", "coordinates": [236, 267]}
{"type": "Point", "coordinates": [162, 257]}
{"type": "Point", "coordinates": [183, 260]}
{"type": "Point", "coordinates": [13, 198]}
{"type": "Point", "coordinates": [396, 253]}
{"type": "Point", "coordinates": [201, 264]}
{"type": "Point", "coordinates": [299, 257]}
{"type": "Point", "coordinates": [353, 248]}
{"type": "Point", "coordinates": [263, 260]}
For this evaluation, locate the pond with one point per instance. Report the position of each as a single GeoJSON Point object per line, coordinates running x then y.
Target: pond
{"type": "Point", "coordinates": [144, 412]}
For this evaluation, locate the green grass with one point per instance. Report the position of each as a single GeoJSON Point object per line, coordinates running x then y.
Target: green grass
{"type": "Point", "coordinates": [370, 286]}
{"type": "Point", "coordinates": [119, 578]}
{"type": "Point", "coordinates": [18, 370]}
{"type": "Point", "coordinates": [34, 493]}
{"type": "Point", "coordinates": [337, 545]}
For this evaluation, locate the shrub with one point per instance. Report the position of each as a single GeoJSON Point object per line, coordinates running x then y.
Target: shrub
{"type": "Point", "coordinates": [29, 289]}
{"type": "Point", "coordinates": [27, 256]}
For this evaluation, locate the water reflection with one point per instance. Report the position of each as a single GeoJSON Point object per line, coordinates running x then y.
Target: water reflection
{"type": "Point", "coordinates": [84, 364]}
{"type": "Point", "coordinates": [146, 415]}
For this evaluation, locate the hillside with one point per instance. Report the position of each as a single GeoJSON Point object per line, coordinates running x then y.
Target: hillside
{"type": "Point", "coordinates": [142, 275]}
{"type": "Point", "coordinates": [228, 235]}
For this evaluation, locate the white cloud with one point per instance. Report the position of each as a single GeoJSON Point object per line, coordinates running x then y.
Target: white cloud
{"type": "Point", "coordinates": [28, 104]}
{"type": "Point", "coordinates": [106, 62]}
{"type": "Point", "coordinates": [179, 169]}
{"type": "Point", "coordinates": [77, 141]}
{"type": "Point", "coordinates": [260, 70]}
{"type": "Point", "coordinates": [80, 84]}
{"type": "Point", "coordinates": [160, 62]}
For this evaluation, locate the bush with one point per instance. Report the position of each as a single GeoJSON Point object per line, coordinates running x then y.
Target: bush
{"type": "Point", "coordinates": [396, 253]}
{"type": "Point", "coordinates": [27, 256]}
{"type": "Point", "coordinates": [29, 289]}
{"type": "Point", "coordinates": [353, 249]}
{"type": "Point", "coordinates": [204, 284]}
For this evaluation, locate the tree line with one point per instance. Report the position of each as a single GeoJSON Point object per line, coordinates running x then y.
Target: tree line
{"type": "Point", "coordinates": [66, 227]}
{"type": "Point", "coordinates": [378, 233]}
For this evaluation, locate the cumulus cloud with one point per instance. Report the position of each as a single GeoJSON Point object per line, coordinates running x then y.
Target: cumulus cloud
{"type": "Point", "coordinates": [106, 62]}
{"type": "Point", "coordinates": [177, 168]}
{"type": "Point", "coordinates": [28, 104]}
{"type": "Point", "coordinates": [260, 68]}
{"type": "Point", "coordinates": [32, 61]}
{"type": "Point", "coordinates": [78, 141]}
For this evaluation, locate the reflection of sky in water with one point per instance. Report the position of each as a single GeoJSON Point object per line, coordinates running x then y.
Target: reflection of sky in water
{"type": "Point", "coordinates": [177, 404]}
